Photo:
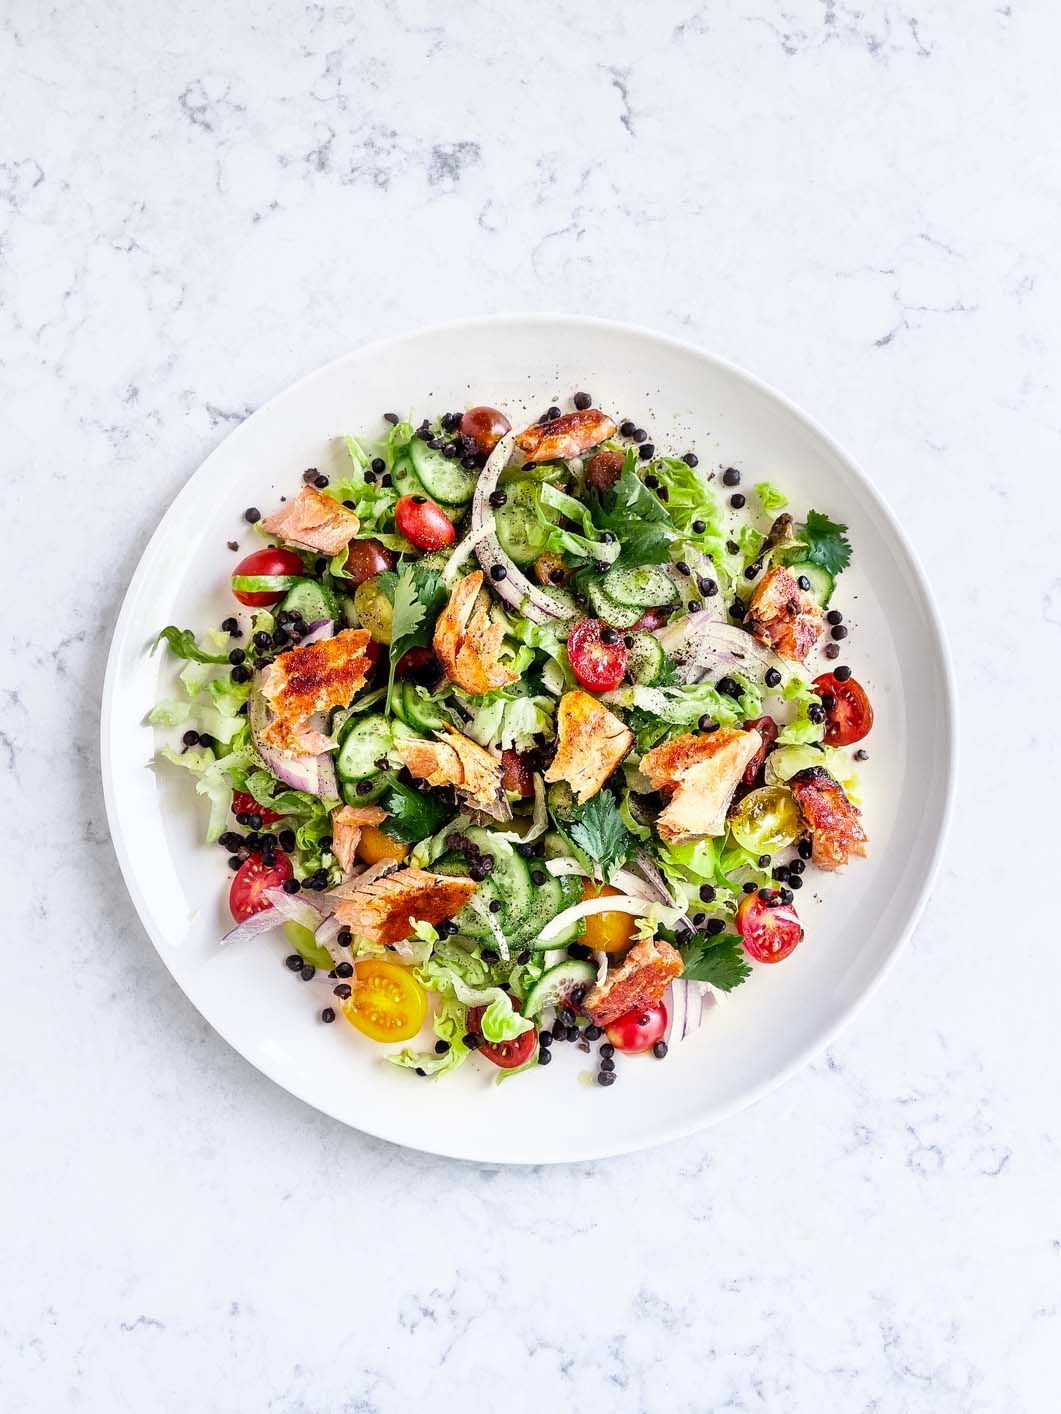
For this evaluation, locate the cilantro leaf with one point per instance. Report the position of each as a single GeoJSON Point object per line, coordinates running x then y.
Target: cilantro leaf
{"type": "Point", "coordinates": [182, 644]}
{"type": "Point", "coordinates": [827, 543]}
{"type": "Point", "coordinates": [600, 833]}
{"type": "Point", "coordinates": [639, 522]}
{"type": "Point", "coordinates": [719, 960]}
{"type": "Point", "coordinates": [413, 815]}
{"type": "Point", "coordinates": [417, 595]}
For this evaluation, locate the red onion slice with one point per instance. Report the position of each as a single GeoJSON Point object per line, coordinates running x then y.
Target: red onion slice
{"type": "Point", "coordinates": [254, 926]}
{"type": "Point", "coordinates": [294, 908]}
{"type": "Point", "coordinates": [318, 629]}
{"type": "Point", "coordinates": [515, 588]}
{"type": "Point", "coordinates": [702, 647]}
{"type": "Point", "coordinates": [313, 774]}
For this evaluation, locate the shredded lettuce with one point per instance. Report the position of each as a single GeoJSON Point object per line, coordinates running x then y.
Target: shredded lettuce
{"type": "Point", "coordinates": [800, 731]}
{"type": "Point", "coordinates": [770, 497]}
{"type": "Point", "coordinates": [214, 782]}
{"type": "Point", "coordinates": [450, 1024]}
{"type": "Point", "coordinates": [456, 973]}
{"type": "Point", "coordinates": [503, 721]}
{"type": "Point", "coordinates": [588, 545]}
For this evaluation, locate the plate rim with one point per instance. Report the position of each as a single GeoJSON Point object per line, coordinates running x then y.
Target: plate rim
{"type": "Point", "coordinates": [808, 1051]}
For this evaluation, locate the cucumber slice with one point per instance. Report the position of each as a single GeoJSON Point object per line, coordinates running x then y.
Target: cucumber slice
{"type": "Point", "coordinates": [646, 659]}
{"type": "Point", "coordinates": [614, 614]}
{"type": "Point", "coordinates": [822, 583]}
{"type": "Point", "coordinates": [563, 598]}
{"type": "Point", "coordinates": [646, 587]}
{"type": "Point", "coordinates": [519, 532]}
{"type": "Point", "coordinates": [510, 878]}
{"type": "Point", "coordinates": [347, 610]}
{"type": "Point", "coordinates": [443, 479]}
{"type": "Point", "coordinates": [558, 984]}
{"type": "Point", "coordinates": [367, 741]}
{"type": "Point", "coordinates": [312, 600]}
{"type": "Point", "coordinates": [366, 791]}
{"type": "Point", "coordinates": [468, 922]}
{"type": "Point", "coordinates": [550, 898]}
{"type": "Point", "coordinates": [417, 709]}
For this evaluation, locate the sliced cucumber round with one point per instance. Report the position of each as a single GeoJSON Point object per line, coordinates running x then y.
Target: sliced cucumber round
{"type": "Point", "coordinates": [613, 613]}
{"type": "Point", "coordinates": [645, 587]}
{"type": "Point", "coordinates": [443, 478]}
{"type": "Point", "coordinates": [367, 741]}
{"type": "Point", "coordinates": [646, 659]}
{"type": "Point", "coordinates": [822, 583]}
{"type": "Point", "coordinates": [519, 532]}
{"type": "Point", "coordinates": [366, 791]}
{"type": "Point", "coordinates": [417, 708]}
{"type": "Point", "coordinates": [313, 600]}
{"type": "Point", "coordinates": [558, 984]}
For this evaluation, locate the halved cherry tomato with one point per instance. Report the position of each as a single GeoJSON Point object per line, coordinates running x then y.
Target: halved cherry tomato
{"type": "Point", "coordinates": [387, 1002]}
{"type": "Point", "coordinates": [485, 427]}
{"type": "Point", "coordinates": [606, 932]}
{"type": "Point", "coordinates": [506, 1054]}
{"type": "Point", "coordinates": [268, 561]}
{"type": "Point", "coordinates": [246, 896]}
{"type": "Point", "coordinates": [767, 820]}
{"type": "Point", "coordinates": [364, 560]}
{"type": "Point", "coordinates": [549, 569]}
{"type": "Point", "coordinates": [649, 621]}
{"type": "Point", "coordinates": [374, 654]}
{"type": "Point", "coordinates": [516, 775]}
{"type": "Point", "coordinates": [850, 717]}
{"type": "Point", "coordinates": [418, 663]}
{"type": "Point", "coordinates": [769, 934]}
{"type": "Point", "coordinates": [374, 610]}
{"type": "Point", "coordinates": [604, 470]}
{"type": "Point", "coordinates": [423, 524]}
{"type": "Point", "coordinates": [243, 803]}
{"type": "Point", "coordinates": [638, 1030]}
{"type": "Point", "coordinates": [375, 845]}
{"type": "Point", "coordinates": [767, 729]}
{"type": "Point", "coordinates": [598, 665]}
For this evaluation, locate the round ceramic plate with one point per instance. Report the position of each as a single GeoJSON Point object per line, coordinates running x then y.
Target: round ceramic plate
{"type": "Point", "coordinates": [856, 921]}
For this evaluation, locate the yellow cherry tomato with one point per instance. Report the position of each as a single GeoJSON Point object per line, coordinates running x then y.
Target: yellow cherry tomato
{"type": "Point", "coordinates": [387, 1002]}
{"type": "Point", "coordinates": [374, 846]}
{"type": "Point", "coordinates": [766, 820]}
{"type": "Point", "coordinates": [606, 932]}
{"type": "Point", "coordinates": [374, 610]}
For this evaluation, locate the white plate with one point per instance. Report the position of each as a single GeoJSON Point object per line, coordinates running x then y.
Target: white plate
{"type": "Point", "coordinates": [773, 1023]}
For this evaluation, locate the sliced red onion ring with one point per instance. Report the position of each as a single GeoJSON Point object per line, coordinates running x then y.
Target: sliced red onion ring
{"type": "Point", "coordinates": [254, 926]}
{"type": "Point", "coordinates": [294, 908]}
{"type": "Point", "coordinates": [318, 629]}
{"type": "Point", "coordinates": [313, 774]}
{"type": "Point", "coordinates": [515, 588]}
{"type": "Point", "coordinates": [702, 647]}
{"type": "Point", "coordinates": [654, 877]}
{"type": "Point", "coordinates": [703, 567]}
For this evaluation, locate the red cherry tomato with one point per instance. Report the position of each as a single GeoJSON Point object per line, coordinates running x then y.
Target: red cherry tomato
{"type": "Point", "coordinates": [850, 717]}
{"type": "Point", "coordinates": [769, 934]}
{"type": "Point", "coordinates": [244, 804]}
{"type": "Point", "coordinates": [604, 470]}
{"type": "Point", "coordinates": [423, 524]}
{"type": "Point", "coordinates": [420, 664]}
{"type": "Point", "coordinates": [252, 879]}
{"type": "Point", "coordinates": [599, 666]}
{"type": "Point", "coordinates": [374, 654]}
{"type": "Point", "coordinates": [271, 560]}
{"type": "Point", "coordinates": [649, 621]}
{"type": "Point", "coordinates": [365, 559]}
{"type": "Point", "coordinates": [767, 729]}
{"type": "Point", "coordinates": [485, 427]}
{"type": "Point", "coordinates": [638, 1030]}
{"type": "Point", "coordinates": [506, 1054]}
{"type": "Point", "coordinates": [516, 774]}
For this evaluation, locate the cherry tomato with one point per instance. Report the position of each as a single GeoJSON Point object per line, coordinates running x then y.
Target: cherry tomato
{"type": "Point", "coordinates": [485, 427]}
{"type": "Point", "coordinates": [606, 932]}
{"type": "Point", "coordinates": [638, 1030]}
{"type": "Point", "coordinates": [649, 621]}
{"type": "Point", "coordinates": [506, 1054]}
{"type": "Point", "coordinates": [850, 717]}
{"type": "Point", "coordinates": [599, 666]}
{"type": "Point", "coordinates": [269, 561]}
{"type": "Point", "coordinates": [604, 470]}
{"type": "Point", "coordinates": [252, 879]}
{"type": "Point", "coordinates": [374, 654]}
{"type": "Point", "coordinates": [244, 803]}
{"type": "Point", "coordinates": [365, 559]}
{"type": "Point", "coordinates": [767, 729]}
{"type": "Point", "coordinates": [387, 1002]}
{"type": "Point", "coordinates": [516, 775]}
{"type": "Point", "coordinates": [420, 664]}
{"type": "Point", "coordinates": [549, 569]}
{"type": "Point", "coordinates": [375, 845]}
{"type": "Point", "coordinates": [374, 610]}
{"type": "Point", "coordinates": [423, 524]}
{"type": "Point", "coordinates": [769, 934]}
{"type": "Point", "coordinates": [767, 820]}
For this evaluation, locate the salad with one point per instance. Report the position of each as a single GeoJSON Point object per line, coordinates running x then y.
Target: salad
{"type": "Point", "coordinates": [524, 737]}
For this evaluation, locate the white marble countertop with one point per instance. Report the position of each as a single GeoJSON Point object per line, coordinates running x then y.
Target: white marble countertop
{"type": "Point", "coordinates": [861, 204]}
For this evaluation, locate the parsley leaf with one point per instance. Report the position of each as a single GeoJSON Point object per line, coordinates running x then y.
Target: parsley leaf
{"type": "Point", "coordinates": [182, 644]}
{"type": "Point", "coordinates": [413, 815]}
{"type": "Point", "coordinates": [719, 960]}
{"type": "Point", "coordinates": [600, 833]}
{"type": "Point", "coordinates": [827, 543]}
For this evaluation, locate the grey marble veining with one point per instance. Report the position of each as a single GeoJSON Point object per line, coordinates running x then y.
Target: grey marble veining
{"type": "Point", "coordinates": [199, 203]}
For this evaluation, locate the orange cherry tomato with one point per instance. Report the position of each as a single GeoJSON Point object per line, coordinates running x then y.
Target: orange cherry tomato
{"type": "Point", "coordinates": [606, 932]}
{"type": "Point", "coordinates": [387, 1002]}
{"type": "Point", "coordinates": [375, 845]}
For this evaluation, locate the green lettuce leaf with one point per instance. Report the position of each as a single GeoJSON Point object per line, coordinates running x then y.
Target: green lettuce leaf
{"type": "Point", "coordinates": [182, 644]}
{"type": "Point", "coordinates": [770, 497]}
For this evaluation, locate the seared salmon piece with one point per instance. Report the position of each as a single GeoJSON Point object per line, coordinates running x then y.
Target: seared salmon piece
{"type": "Point", "coordinates": [313, 521]}
{"type": "Point", "coordinates": [382, 911]}
{"type": "Point", "coordinates": [591, 742]}
{"type": "Point", "coordinates": [835, 824]}
{"type": "Point", "coordinates": [311, 679]}
{"type": "Point", "coordinates": [468, 643]}
{"type": "Point", "coordinates": [700, 771]}
{"type": "Point", "coordinates": [640, 980]}
{"type": "Point", "coordinates": [783, 616]}
{"type": "Point", "coordinates": [347, 823]}
{"type": "Point", "coordinates": [456, 760]}
{"type": "Point", "coordinates": [566, 436]}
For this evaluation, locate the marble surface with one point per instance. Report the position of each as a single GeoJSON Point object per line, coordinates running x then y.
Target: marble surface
{"type": "Point", "coordinates": [861, 203]}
